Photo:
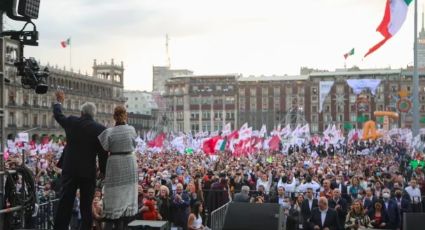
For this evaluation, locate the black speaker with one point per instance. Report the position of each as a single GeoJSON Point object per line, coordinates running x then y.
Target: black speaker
{"type": "Point", "coordinates": [413, 220]}
{"type": "Point", "coordinates": [247, 216]}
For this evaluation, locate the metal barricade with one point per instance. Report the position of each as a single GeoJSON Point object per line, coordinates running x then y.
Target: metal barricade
{"type": "Point", "coordinates": [43, 218]}
{"type": "Point", "coordinates": [218, 216]}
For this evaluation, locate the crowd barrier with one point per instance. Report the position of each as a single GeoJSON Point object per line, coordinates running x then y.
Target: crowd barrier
{"type": "Point", "coordinates": [45, 214]}
{"type": "Point", "coordinates": [218, 216]}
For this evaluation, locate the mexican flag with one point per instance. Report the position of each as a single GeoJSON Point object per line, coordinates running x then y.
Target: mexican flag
{"type": "Point", "coordinates": [351, 52]}
{"type": "Point", "coordinates": [66, 43]}
{"type": "Point", "coordinates": [394, 17]}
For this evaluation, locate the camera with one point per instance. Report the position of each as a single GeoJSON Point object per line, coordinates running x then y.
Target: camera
{"type": "Point", "coordinates": [32, 77]}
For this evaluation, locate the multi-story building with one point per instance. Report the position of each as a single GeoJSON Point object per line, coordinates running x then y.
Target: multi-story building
{"type": "Point", "coordinates": [25, 110]}
{"type": "Point", "coordinates": [197, 103]}
{"type": "Point", "coordinates": [162, 73]}
{"type": "Point", "coordinates": [271, 100]}
{"type": "Point", "coordinates": [193, 100]}
{"type": "Point", "coordinates": [142, 109]}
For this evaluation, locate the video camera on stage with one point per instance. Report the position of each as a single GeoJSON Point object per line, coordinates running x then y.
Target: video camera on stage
{"type": "Point", "coordinates": [32, 77]}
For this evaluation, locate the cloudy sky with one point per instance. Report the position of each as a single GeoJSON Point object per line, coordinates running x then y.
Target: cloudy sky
{"type": "Point", "coordinates": [217, 37]}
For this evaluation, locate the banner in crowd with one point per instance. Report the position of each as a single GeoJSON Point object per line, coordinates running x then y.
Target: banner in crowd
{"type": "Point", "coordinates": [358, 85]}
{"type": "Point", "coordinates": [324, 89]}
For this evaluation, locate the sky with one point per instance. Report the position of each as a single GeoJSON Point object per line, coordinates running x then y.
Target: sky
{"type": "Point", "coordinates": [267, 37]}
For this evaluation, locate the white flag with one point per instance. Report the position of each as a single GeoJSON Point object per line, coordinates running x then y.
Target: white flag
{"type": "Point", "coordinates": [325, 88]}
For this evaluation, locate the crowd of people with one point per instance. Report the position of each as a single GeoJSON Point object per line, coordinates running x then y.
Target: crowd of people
{"type": "Point", "coordinates": [318, 186]}
{"type": "Point", "coordinates": [365, 191]}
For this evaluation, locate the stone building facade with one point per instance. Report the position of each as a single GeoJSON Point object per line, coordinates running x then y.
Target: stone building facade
{"type": "Point", "coordinates": [25, 110]}
{"type": "Point", "coordinates": [196, 103]}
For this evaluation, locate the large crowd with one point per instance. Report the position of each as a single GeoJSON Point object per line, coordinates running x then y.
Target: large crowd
{"type": "Point", "coordinates": [369, 191]}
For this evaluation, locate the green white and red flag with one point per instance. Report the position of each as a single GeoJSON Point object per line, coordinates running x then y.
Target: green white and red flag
{"type": "Point", "coordinates": [394, 17]}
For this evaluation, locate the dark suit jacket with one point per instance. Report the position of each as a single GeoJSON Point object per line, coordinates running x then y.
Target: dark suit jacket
{"type": "Point", "coordinates": [344, 191]}
{"type": "Point", "coordinates": [241, 198]}
{"type": "Point", "coordinates": [369, 203]}
{"type": "Point", "coordinates": [331, 220]}
{"type": "Point", "coordinates": [79, 155]}
{"type": "Point", "coordinates": [341, 212]}
{"type": "Point", "coordinates": [393, 214]}
{"type": "Point", "coordinates": [305, 209]}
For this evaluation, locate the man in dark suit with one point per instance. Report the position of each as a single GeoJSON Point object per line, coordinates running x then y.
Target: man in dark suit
{"type": "Point", "coordinates": [78, 162]}
{"type": "Point", "coordinates": [339, 184]}
{"type": "Point", "coordinates": [390, 206]}
{"type": "Point", "coordinates": [323, 217]}
{"type": "Point", "coordinates": [369, 200]}
{"type": "Point", "coordinates": [307, 206]}
{"type": "Point", "coordinates": [242, 197]}
{"type": "Point", "coordinates": [340, 205]}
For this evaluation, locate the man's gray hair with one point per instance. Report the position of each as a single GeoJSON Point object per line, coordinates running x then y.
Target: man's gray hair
{"type": "Point", "coordinates": [88, 108]}
{"type": "Point", "coordinates": [245, 189]}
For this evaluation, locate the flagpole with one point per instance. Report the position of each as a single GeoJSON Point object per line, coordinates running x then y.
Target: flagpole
{"type": "Point", "coordinates": [415, 80]}
{"type": "Point", "coordinates": [70, 54]}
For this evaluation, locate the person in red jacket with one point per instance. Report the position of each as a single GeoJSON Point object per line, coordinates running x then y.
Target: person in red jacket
{"type": "Point", "coordinates": [150, 209]}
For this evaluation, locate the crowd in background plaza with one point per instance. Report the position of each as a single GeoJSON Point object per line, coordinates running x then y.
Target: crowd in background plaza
{"type": "Point", "coordinates": [372, 190]}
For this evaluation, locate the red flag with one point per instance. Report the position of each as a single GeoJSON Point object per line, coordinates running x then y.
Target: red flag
{"type": "Point", "coordinates": [274, 143]}
{"type": "Point", "coordinates": [158, 141]}
{"type": "Point", "coordinates": [209, 145]}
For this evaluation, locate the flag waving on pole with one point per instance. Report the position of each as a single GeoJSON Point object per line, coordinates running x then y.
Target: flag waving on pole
{"type": "Point", "coordinates": [349, 53]}
{"type": "Point", "coordinates": [394, 17]}
{"type": "Point", "coordinates": [66, 43]}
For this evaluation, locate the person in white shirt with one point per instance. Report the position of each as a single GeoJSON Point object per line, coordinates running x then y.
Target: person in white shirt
{"type": "Point", "coordinates": [309, 184]}
{"type": "Point", "coordinates": [415, 195]}
{"type": "Point", "coordinates": [289, 185]}
{"type": "Point", "coordinates": [266, 181]}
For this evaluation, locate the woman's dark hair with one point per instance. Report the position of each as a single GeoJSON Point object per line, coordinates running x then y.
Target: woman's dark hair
{"type": "Point", "coordinates": [195, 208]}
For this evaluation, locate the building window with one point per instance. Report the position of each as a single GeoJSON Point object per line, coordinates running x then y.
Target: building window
{"type": "Point", "coordinates": [314, 98]}
{"type": "Point", "coordinates": [314, 109]}
{"type": "Point", "coordinates": [277, 103]}
{"type": "Point", "coordinates": [35, 120]}
{"type": "Point", "coordinates": [242, 103]}
{"type": "Point", "coordinates": [340, 108]}
{"type": "Point", "coordinates": [276, 91]}
{"type": "Point", "coordinates": [241, 92]}
{"type": "Point", "coordinates": [44, 120]}
{"type": "Point", "coordinates": [314, 91]}
{"type": "Point", "coordinates": [265, 91]}
{"type": "Point", "coordinates": [35, 101]}
{"type": "Point", "coordinates": [12, 97]}
{"type": "Point", "coordinates": [394, 88]}
{"type": "Point", "coordinates": [26, 99]}
{"type": "Point", "coordinates": [135, 98]}
{"type": "Point", "coordinates": [26, 120]}
{"type": "Point", "coordinates": [12, 120]}
{"type": "Point", "coordinates": [253, 104]}
{"type": "Point", "coordinates": [314, 118]}
{"type": "Point", "coordinates": [253, 92]}
{"type": "Point", "coordinates": [340, 89]}
{"type": "Point", "coordinates": [206, 115]}
{"type": "Point", "coordinates": [314, 128]}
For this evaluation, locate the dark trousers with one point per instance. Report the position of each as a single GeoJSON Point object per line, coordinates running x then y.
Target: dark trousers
{"type": "Point", "coordinates": [70, 185]}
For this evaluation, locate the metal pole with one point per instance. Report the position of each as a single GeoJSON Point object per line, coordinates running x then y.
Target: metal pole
{"type": "Point", "coordinates": [415, 81]}
{"type": "Point", "coordinates": [1, 127]}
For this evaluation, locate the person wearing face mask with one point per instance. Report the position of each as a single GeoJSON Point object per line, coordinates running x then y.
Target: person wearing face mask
{"type": "Point", "coordinates": [391, 208]}
{"type": "Point", "coordinates": [403, 204]}
{"type": "Point", "coordinates": [339, 184]}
